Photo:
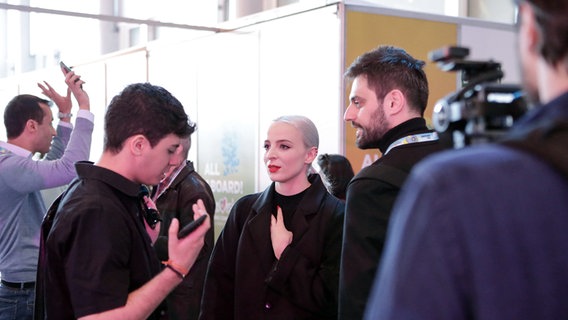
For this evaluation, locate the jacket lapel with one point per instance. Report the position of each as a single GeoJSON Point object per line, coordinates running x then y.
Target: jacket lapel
{"type": "Point", "coordinates": [307, 208]}
{"type": "Point", "coordinates": [258, 228]}
{"type": "Point", "coordinates": [184, 172]}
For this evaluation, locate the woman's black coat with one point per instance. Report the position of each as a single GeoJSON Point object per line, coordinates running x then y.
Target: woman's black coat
{"type": "Point", "coordinates": [244, 279]}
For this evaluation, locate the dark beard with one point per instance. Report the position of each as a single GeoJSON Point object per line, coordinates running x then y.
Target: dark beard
{"type": "Point", "coordinates": [371, 137]}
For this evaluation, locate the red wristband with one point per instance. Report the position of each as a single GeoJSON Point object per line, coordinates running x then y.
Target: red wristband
{"type": "Point", "coordinates": [181, 272]}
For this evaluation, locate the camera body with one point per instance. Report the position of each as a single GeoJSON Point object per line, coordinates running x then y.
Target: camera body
{"type": "Point", "coordinates": [483, 109]}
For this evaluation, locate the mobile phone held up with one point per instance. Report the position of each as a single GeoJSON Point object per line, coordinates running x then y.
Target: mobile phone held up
{"type": "Point", "coordinates": [64, 67]}
{"type": "Point", "coordinates": [67, 70]}
{"type": "Point", "coordinates": [185, 231]}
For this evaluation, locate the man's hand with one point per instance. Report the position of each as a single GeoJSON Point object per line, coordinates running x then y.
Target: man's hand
{"type": "Point", "coordinates": [75, 84]}
{"type": "Point", "coordinates": [184, 252]}
{"type": "Point", "coordinates": [279, 235]}
{"type": "Point", "coordinates": [64, 104]}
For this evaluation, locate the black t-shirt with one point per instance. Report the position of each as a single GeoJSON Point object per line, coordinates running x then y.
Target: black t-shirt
{"type": "Point", "coordinates": [98, 250]}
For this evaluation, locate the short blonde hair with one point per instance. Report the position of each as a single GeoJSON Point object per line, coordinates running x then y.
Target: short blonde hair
{"type": "Point", "coordinates": [308, 129]}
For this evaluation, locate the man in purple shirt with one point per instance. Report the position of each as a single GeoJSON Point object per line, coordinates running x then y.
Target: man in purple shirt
{"type": "Point", "coordinates": [28, 120]}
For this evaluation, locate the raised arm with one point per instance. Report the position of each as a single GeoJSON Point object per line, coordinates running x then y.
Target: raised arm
{"type": "Point", "coordinates": [60, 169]}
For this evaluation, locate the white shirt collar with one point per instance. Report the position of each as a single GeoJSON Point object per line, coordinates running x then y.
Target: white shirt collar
{"type": "Point", "coordinates": [15, 149]}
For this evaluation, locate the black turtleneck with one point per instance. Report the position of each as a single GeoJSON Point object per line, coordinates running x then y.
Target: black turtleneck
{"type": "Point", "coordinates": [412, 126]}
{"type": "Point", "coordinates": [289, 204]}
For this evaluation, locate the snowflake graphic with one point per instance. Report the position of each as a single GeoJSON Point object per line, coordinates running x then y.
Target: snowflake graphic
{"type": "Point", "coordinates": [229, 152]}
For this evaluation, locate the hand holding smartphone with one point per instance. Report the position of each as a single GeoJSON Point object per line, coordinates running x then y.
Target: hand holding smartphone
{"type": "Point", "coordinates": [67, 70]}
{"type": "Point", "coordinates": [185, 231]}
{"type": "Point", "coordinates": [64, 67]}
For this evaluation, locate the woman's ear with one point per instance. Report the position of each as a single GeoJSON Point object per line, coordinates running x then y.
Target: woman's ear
{"type": "Point", "coordinates": [312, 154]}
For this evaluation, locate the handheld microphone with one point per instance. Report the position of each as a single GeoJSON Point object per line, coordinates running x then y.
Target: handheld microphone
{"type": "Point", "coordinates": [151, 215]}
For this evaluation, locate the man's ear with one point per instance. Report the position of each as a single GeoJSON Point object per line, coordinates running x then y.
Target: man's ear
{"type": "Point", "coordinates": [528, 30]}
{"type": "Point", "coordinates": [138, 144]}
{"type": "Point", "coordinates": [394, 102]}
{"type": "Point", "coordinates": [31, 125]}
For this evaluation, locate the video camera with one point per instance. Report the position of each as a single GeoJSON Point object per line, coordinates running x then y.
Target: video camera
{"type": "Point", "coordinates": [483, 109]}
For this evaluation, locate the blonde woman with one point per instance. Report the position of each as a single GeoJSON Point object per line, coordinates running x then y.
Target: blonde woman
{"type": "Point", "coordinates": [278, 254]}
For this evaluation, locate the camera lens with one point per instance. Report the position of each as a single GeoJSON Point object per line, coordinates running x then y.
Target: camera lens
{"type": "Point", "coordinates": [440, 115]}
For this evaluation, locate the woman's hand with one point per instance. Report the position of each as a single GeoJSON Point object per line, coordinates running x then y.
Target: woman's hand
{"type": "Point", "coordinates": [279, 235]}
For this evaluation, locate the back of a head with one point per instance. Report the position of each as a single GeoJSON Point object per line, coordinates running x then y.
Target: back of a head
{"type": "Point", "coordinates": [387, 68]}
{"type": "Point", "coordinates": [21, 109]}
{"type": "Point", "coordinates": [305, 125]}
{"type": "Point", "coordinates": [337, 172]}
{"type": "Point", "coordinates": [142, 108]}
{"type": "Point", "coordinates": [552, 21]}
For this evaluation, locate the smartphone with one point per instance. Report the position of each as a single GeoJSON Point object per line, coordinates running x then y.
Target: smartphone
{"type": "Point", "coordinates": [185, 231]}
{"type": "Point", "coordinates": [64, 66]}
{"type": "Point", "coordinates": [67, 69]}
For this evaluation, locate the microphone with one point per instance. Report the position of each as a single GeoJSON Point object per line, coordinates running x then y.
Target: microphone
{"type": "Point", "coordinates": [151, 215]}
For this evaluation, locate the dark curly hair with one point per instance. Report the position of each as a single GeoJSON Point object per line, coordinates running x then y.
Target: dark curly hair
{"type": "Point", "coordinates": [552, 23]}
{"type": "Point", "coordinates": [21, 109]}
{"type": "Point", "coordinates": [146, 109]}
{"type": "Point", "coordinates": [387, 68]}
{"type": "Point", "coordinates": [337, 172]}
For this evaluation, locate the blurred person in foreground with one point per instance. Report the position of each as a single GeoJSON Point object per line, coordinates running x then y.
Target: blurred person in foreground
{"type": "Point", "coordinates": [480, 233]}
{"type": "Point", "coordinates": [389, 94]}
{"type": "Point", "coordinates": [96, 257]}
{"type": "Point", "coordinates": [278, 254]}
{"type": "Point", "coordinates": [336, 173]}
{"type": "Point", "coordinates": [174, 196]}
{"type": "Point", "coordinates": [28, 120]}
